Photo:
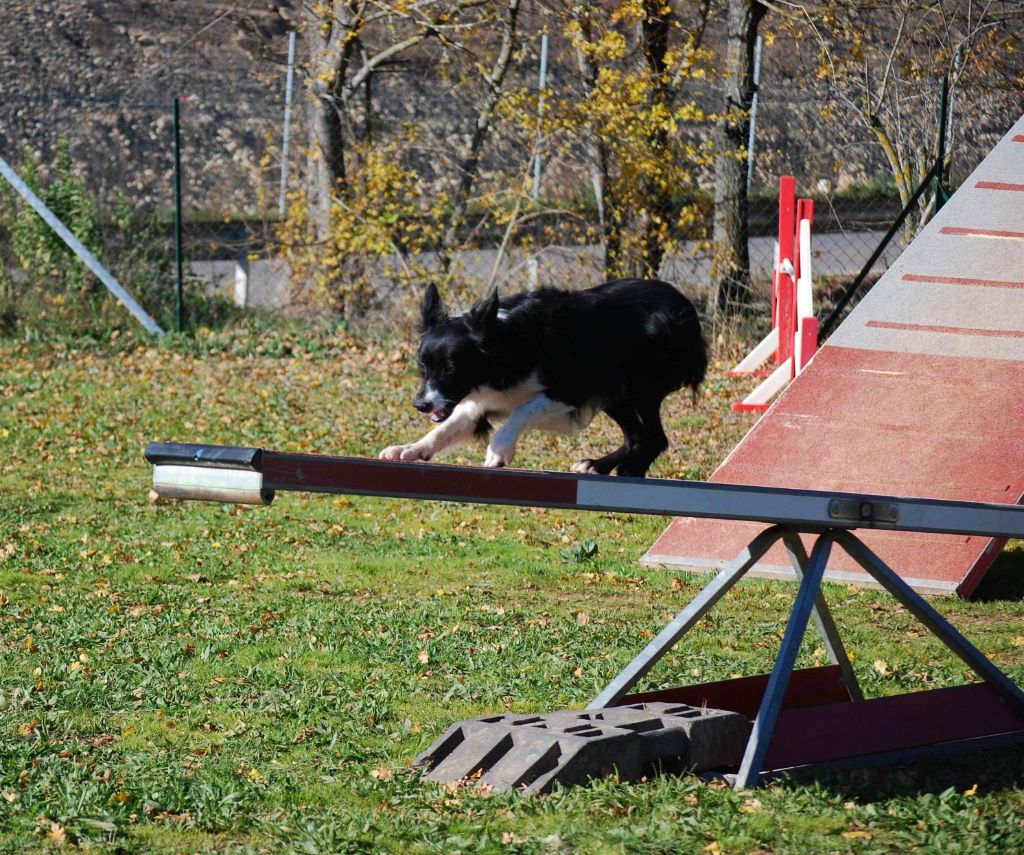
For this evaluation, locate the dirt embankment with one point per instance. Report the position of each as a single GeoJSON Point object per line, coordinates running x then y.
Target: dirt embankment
{"type": "Point", "coordinates": [103, 74]}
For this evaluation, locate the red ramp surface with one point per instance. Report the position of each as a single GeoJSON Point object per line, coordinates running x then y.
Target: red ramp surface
{"type": "Point", "coordinates": [919, 393]}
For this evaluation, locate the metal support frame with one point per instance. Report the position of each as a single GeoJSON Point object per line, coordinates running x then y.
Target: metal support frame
{"type": "Point", "coordinates": [686, 619]}
{"type": "Point", "coordinates": [939, 626]}
{"type": "Point", "coordinates": [771, 703]}
{"type": "Point", "coordinates": [226, 473]}
{"type": "Point", "coordinates": [809, 600]}
{"type": "Point", "coordinates": [823, 622]}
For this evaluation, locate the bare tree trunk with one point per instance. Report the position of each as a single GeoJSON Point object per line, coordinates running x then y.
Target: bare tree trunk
{"type": "Point", "coordinates": [326, 165]}
{"type": "Point", "coordinates": [608, 213]}
{"type": "Point", "coordinates": [470, 165]}
{"type": "Point", "coordinates": [653, 35]}
{"type": "Point", "coordinates": [607, 206]}
{"type": "Point", "coordinates": [618, 218]}
{"type": "Point", "coordinates": [333, 31]}
{"type": "Point", "coordinates": [730, 272]}
{"type": "Point", "coordinates": [330, 51]}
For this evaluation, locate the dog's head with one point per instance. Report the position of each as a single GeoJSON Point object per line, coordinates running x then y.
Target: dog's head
{"type": "Point", "coordinates": [452, 357]}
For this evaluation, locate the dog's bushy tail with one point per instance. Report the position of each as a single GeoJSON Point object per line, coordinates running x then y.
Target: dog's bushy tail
{"type": "Point", "coordinates": [688, 349]}
{"type": "Point", "coordinates": [696, 362]}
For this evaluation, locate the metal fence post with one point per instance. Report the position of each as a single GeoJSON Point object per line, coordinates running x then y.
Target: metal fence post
{"type": "Point", "coordinates": [533, 265]}
{"type": "Point", "coordinates": [940, 171]}
{"type": "Point", "coordinates": [758, 45]}
{"type": "Point", "coordinates": [178, 301]}
{"type": "Point", "coordinates": [286, 140]}
{"type": "Point", "coordinates": [541, 83]}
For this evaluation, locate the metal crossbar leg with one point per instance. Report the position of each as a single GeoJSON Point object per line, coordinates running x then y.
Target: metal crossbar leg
{"type": "Point", "coordinates": [687, 618]}
{"type": "Point", "coordinates": [823, 622]}
{"type": "Point", "coordinates": [916, 605]}
{"type": "Point", "coordinates": [749, 774]}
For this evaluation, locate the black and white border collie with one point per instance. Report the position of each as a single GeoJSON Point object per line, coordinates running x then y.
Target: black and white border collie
{"type": "Point", "coordinates": [552, 360]}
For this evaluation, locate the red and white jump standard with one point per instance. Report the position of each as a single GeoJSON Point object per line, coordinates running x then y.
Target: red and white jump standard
{"type": "Point", "coordinates": [794, 335]}
{"type": "Point", "coordinates": [800, 717]}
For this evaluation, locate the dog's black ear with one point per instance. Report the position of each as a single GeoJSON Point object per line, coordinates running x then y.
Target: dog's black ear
{"type": "Point", "coordinates": [483, 318]}
{"type": "Point", "coordinates": [432, 312]}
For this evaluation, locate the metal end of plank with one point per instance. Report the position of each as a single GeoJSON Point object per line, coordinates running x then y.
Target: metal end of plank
{"type": "Point", "coordinates": [238, 486]}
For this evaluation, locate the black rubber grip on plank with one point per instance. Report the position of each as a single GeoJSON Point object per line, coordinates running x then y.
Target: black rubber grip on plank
{"type": "Point", "coordinates": [195, 454]}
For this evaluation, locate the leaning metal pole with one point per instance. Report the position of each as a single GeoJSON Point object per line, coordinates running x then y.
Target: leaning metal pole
{"type": "Point", "coordinates": [686, 619]}
{"type": "Point", "coordinates": [78, 248]}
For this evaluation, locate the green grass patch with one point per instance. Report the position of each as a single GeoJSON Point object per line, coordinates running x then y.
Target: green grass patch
{"type": "Point", "coordinates": [200, 677]}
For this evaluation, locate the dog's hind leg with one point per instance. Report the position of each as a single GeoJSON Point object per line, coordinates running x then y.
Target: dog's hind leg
{"type": "Point", "coordinates": [625, 416]}
{"type": "Point", "coordinates": [651, 442]}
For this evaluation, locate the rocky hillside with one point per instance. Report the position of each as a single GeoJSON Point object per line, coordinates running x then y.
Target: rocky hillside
{"type": "Point", "coordinates": [103, 73]}
{"type": "Point", "coordinates": [136, 49]}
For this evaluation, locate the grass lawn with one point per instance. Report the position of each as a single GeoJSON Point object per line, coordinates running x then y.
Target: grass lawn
{"type": "Point", "coordinates": [190, 677]}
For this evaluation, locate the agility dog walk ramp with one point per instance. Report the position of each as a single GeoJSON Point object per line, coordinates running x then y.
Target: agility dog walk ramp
{"type": "Point", "coordinates": [920, 392]}
{"type": "Point", "coordinates": [797, 716]}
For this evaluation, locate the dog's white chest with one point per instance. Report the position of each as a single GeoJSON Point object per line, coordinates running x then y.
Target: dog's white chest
{"type": "Point", "coordinates": [526, 402]}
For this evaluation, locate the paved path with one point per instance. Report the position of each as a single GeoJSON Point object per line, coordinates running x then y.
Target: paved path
{"type": "Point", "coordinates": [836, 254]}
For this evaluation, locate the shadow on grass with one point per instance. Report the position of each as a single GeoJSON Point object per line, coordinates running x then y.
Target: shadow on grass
{"type": "Point", "coordinates": [991, 770]}
{"type": "Point", "coordinates": [1005, 579]}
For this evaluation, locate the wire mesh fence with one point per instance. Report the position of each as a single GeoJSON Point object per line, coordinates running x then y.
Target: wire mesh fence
{"type": "Point", "coordinates": [232, 167]}
{"type": "Point", "coordinates": [122, 152]}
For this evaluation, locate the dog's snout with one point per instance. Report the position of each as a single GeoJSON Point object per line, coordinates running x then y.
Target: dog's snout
{"type": "Point", "coordinates": [427, 399]}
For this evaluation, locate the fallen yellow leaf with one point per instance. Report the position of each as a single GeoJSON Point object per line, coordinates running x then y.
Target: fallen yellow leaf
{"type": "Point", "coordinates": [857, 835]}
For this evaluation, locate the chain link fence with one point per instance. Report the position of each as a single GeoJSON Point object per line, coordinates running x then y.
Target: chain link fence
{"type": "Point", "coordinates": [124, 153]}
{"type": "Point", "coordinates": [231, 173]}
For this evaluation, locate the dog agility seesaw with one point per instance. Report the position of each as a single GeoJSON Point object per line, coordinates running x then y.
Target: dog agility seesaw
{"type": "Point", "coordinates": [799, 717]}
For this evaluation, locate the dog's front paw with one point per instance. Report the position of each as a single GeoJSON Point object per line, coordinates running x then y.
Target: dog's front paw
{"type": "Point", "coordinates": [584, 467]}
{"type": "Point", "coordinates": [406, 453]}
{"type": "Point", "coordinates": [499, 456]}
